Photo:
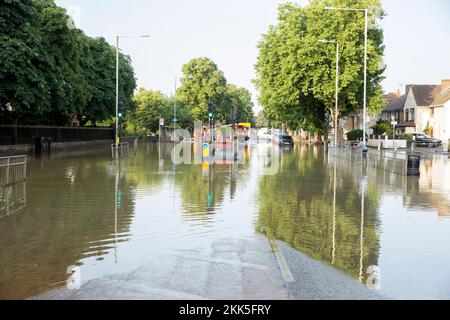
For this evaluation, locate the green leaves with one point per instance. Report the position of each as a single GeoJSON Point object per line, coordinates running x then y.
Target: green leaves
{"type": "Point", "coordinates": [202, 82]}
{"type": "Point", "coordinates": [296, 74]}
{"type": "Point", "coordinates": [49, 71]}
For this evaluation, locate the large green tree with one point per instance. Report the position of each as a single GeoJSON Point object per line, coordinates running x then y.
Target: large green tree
{"type": "Point", "coordinates": [202, 82]}
{"type": "Point", "coordinates": [151, 105]}
{"type": "Point", "coordinates": [50, 70]}
{"type": "Point", "coordinates": [296, 73]}
{"type": "Point", "coordinates": [23, 61]}
{"type": "Point", "coordinates": [241, 100]}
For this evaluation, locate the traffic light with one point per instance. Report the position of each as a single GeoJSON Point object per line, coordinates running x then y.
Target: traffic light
{"type": "Point", "coordinates": [327, 118]}
{"type": "Point", "coordinates": [211, 110]}
{"type": "Point", "coordinates": [121, 109]}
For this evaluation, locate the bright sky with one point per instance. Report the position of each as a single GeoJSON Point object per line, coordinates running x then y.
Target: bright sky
{"type": "Point", "coordinates": [417, 34]}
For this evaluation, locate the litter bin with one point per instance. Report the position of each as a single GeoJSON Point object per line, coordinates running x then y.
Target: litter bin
{"type": "Point", "coordinates": [38, 145]}
{"type": "Point", "coordinates": [413, 165]}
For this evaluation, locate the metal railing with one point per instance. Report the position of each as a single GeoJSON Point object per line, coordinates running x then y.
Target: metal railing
{"type": "Point", "coordinates": [13, 198]}
{"type": "Point", "coordinates": [120, 149]}
{"type": "Point", "coordinates": [13, 175]}
{"type": "Point", "coordinates": [382, 160]}
{"type": "Point", "coordinates": [12, 170]}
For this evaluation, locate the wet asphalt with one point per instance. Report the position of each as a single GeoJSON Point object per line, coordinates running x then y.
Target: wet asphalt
{"type": "Point", "coordinates": [229, 269]}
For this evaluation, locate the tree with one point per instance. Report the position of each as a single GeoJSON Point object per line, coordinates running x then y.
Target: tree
{"type": "Point", "coordinates": [202, 82]}
{"type": "Point", "coordinates": [49, 70]}
{"type": "Point", "coordinates": [151, 105]}
{"type": "Point", "coordinates": [23, 61]}
{"type": "Point", "coordinates": [296, 75]}
{"type": "Point", "coordinates": [239, 98]}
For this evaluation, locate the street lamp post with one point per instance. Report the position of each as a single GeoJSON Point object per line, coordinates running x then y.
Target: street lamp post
{"type": "Point", "coordinates": [117, 86]}
{"type": "Point", "coordinates": [175, 106]}
{"type": "Point", "coordinates": [366, 10]}
{"type": "Point", "coordinates": [337, 91]}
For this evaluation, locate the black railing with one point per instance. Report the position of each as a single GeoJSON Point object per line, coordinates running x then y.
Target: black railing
{"type": "Point", "coordinates": [11, 135]}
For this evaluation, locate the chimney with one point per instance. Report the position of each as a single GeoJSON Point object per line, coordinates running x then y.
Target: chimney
{"type": "Point", "coordinates": [445, 85]}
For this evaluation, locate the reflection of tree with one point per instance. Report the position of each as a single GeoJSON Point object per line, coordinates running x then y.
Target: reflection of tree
{"type": "Point", "coordinates": [69, 216]}
{"type": "Point", "coordinates": [296, 206]}
{"type": "Point", "coordinates": [196, 186]}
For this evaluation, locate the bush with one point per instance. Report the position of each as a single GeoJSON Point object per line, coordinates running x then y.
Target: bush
{"type": "Point", "coordinates": [408, 136]}
{"type": "Point", "coordinates": [383, 127]}
{"type": "Point", "coordinates": [355, 135]}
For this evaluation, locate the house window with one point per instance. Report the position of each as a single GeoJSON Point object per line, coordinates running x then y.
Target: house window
{"type": "Point", "coordinates": [412, 114]}
{"type": "Point", "coordinates": [407, 115]}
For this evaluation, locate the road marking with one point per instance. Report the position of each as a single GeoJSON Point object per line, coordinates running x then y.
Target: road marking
{"type": "Point", "coordinates": [285, 271]}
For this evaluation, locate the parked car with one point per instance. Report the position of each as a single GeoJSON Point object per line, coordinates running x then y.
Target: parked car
{"type": "Point", "coordinates": [265, 134]}
{"type": "Point", "coordinates": [423, 140]}
{"type": "Point", "coordinates": [283, 139]}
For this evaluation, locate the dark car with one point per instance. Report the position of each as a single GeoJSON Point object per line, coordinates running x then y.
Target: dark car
{"type": "Point", "coordinates": [284, 140]}
{"type": "Point", "coordinates": [423, 140]}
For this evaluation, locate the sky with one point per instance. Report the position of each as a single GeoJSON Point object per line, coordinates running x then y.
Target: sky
{"type": "Point", "coordinates": [417, 37]}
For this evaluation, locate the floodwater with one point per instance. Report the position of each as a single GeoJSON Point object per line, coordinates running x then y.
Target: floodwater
{"type": "Point", "coordinates": [106, 216]}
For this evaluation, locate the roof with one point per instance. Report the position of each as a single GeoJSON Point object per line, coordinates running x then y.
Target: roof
{"type": "Point", "coordinates": [425, 94]}
{"type": "Point", "coordinates": [395, 104]}
{"type": "Point", "coordinates": [441, 99]}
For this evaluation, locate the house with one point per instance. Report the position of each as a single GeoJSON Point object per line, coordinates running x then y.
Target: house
{"type": "Point", "coordinates": [423, 108]}
{"type": "Point", "coordinates": [439, 114]}
{"type": "Point", "coordinates": [395, 104]}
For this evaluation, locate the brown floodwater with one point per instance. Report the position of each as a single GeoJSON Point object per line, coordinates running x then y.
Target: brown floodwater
{"type": "Point", "coordinates": [366, 219]}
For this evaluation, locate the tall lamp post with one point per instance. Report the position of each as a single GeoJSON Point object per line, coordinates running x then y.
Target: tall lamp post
{"type": "Point", "coordinates": [337, 91]}
{"type": "Point", "coordinates": [365, 61]}
{"type": "Point", "coordinates": [117, 85]}
{"type": "Point", "coordinates": [175, 105]}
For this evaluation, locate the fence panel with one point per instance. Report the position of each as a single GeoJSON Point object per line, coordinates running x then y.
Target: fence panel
{"type": "Point", "coordinates": [10, 135]}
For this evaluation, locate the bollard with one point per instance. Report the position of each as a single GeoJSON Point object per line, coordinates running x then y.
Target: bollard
{"type": "Point", "coordinates": [49, 140]}
{"type": "Point", "coordinates": [38, 145]}
{"type": "Point", "coordinates": [413, 165]}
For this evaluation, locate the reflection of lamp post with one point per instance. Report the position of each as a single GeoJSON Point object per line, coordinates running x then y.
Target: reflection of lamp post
{"type": "Point", "coordinates": [337, 90]}
{"type": "Point", "coordinates": [334, 211]}
{"type": "Point", "coordinates": [365, 60]}
{"type": "Point", "coordinates": [363, 183]}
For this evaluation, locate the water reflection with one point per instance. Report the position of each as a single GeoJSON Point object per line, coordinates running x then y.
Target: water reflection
{"type": "Point", "coordinates": [64, 222]}
{"type": "Point", "coordinates": [110, 215]}
{"type": "Point", "coordinates": [321, 211]}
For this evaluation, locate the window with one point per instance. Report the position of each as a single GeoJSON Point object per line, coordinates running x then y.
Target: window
{"type": "Point", "coordinates": [412, 114]}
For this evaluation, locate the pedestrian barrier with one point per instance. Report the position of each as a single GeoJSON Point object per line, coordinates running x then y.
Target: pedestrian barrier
{"type": "Point", "coordinates": [13, 174]}
{"type": "Point", "coordinates": [387, 161]}
{"type": "Point", "coordinates": [121, 149]}
{"type": "Point", "coordinates": [12, 170]}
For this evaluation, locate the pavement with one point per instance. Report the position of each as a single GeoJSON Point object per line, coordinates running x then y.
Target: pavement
{"type": "Point", "coordinates": [229, 269]}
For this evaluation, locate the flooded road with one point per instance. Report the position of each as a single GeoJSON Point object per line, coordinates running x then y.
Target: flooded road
{"type": "Point", "coordinates": [108, 217]}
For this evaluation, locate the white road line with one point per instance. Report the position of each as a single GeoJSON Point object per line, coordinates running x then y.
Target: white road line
{"type": "Point", "coordinates": [285, 271]}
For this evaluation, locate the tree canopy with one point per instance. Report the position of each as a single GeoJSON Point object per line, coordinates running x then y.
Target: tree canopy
{"type": "Point", "coordinates": [202, 82]}
{"type": "Point", "coordinates": [296, 73]}
{"type": "Point", "coordinates": [49, 70]}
